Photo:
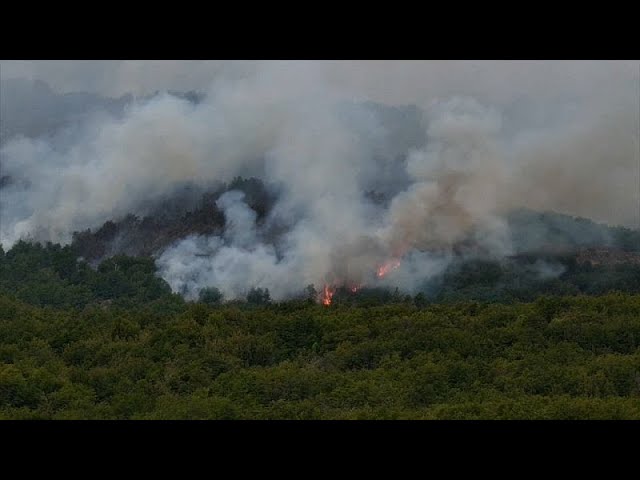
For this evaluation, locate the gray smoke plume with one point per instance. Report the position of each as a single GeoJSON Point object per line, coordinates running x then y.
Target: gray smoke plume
{"type": "Point", "coordinates": [455, 181]}
{"type": "Point", "coordinates": [477, 146]}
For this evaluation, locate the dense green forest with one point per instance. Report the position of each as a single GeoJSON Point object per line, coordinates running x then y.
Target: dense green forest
{"type": "Point", "coordinates": [115, 343]}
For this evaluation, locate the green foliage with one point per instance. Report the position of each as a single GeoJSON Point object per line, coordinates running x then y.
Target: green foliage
{"type": "Point", "coordinates": [259, 296]}
{"type": "Point", "coordinates": [555, 358]}
{"type": "Point", "coordinates": [52, 275]}
{"type": "Point", "coordinates": [510, 281]}
{"type": "Point", "coordinates": [211, 296]}
{"type": "Point", "coordinates": [115, 343]}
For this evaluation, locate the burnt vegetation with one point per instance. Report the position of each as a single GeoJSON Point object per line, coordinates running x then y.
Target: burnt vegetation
{"type": "Point", "coordinates": [170, 221]}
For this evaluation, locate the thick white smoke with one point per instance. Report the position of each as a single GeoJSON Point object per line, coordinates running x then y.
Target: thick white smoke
{"type": "Point", "coordinates": [233, 263]}
{"type": "Point", "coordinates": [287, 123]}
{"type": "Point", "coordinates": [456, 180]}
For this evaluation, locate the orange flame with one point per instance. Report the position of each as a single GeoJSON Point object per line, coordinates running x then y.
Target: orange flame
{"type": "Point", "coordinates": [387, 267]}
{"type": "Point", "coordinates": [327, 295]}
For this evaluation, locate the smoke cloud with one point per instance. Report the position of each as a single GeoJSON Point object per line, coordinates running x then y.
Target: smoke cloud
{"type": "Point", "coordinates": [473, 149]}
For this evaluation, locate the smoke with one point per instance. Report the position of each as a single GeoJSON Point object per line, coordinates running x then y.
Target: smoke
{"type": "Point", "coordinates": [448, 177]}
{"type": "Point", "coordinates": [455, 181]}
{"type": "Point", "coordinates": [234, 262]}
{"type": "Point", "coordinates": [547, 270]}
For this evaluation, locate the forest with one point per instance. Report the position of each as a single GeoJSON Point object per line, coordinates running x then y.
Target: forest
{"type": "Point", "coordinates": [115, 343]}
{"type": "Point", "coordinates": [342, 240]}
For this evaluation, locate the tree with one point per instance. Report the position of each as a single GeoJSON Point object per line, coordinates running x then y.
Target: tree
{"type": "Point", "coordinates": [259, 296]}
{"type": "Point", "coordinates": [420, 300]}
{"type": "Point", "coordinates": [311, 293]}
{"type": "Point", "coordinates": [211, 296]}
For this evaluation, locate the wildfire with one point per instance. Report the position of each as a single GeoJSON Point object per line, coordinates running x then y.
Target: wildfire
{"type": "Point", "coordinates": [327, 295]}
{"type": "Point", "coordinates": [328, 290]}
{"type": "Point", "coordinates": [387, 267]}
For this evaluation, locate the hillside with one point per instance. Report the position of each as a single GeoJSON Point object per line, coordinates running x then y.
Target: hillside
{"type": "Point", "coordinates": [319, 240]}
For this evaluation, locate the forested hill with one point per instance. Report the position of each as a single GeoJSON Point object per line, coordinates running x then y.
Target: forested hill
{"type": "Point", "coordinates": [193, 210]}
{"type": "Point", "coordinates": [115, 343]}
{"type": "Point", "coordinates": [537, 231]}
{"type": "Point", "coordinates": [52, 275]}
{"type": "Point", "coordinates": [189, 211]}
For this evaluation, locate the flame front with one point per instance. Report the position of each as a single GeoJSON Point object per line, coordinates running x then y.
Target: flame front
{"type": "Point", "coordinates": [328, 290]}
{"type": "Point", "coordinates": [385, 268]}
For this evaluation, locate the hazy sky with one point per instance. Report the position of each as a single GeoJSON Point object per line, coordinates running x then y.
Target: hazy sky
{"type": "Point", "coordinates": [396, 82]}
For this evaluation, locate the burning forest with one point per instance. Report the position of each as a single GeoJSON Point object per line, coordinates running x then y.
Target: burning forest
{"type": "Point", "coordinates": [319, 240]}
{"type": "Point", "coordinates": [340, 193]}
